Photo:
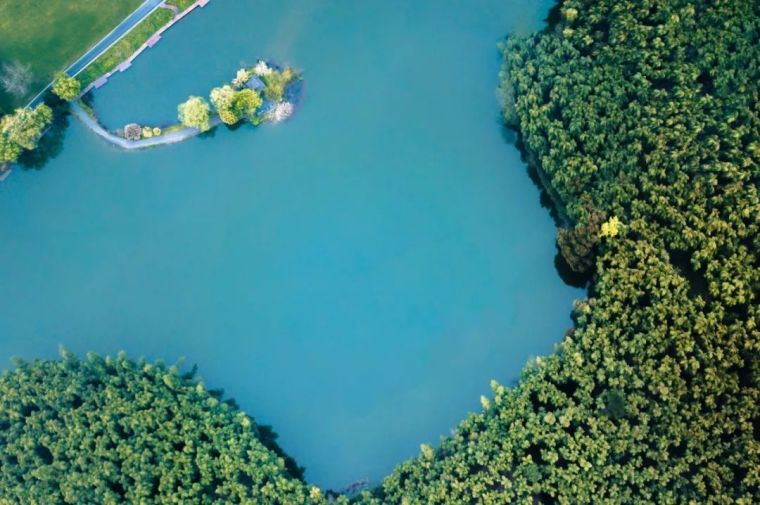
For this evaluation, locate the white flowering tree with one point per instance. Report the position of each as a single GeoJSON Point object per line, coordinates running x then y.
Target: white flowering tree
{"type": "Point", "coordinates": [241, 78]}
{"type": "Point", "coordinates": [262, 68]}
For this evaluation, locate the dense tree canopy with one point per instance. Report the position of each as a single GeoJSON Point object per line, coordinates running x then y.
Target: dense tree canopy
{"type": "Point", "coordinates": [109, 431]}
{"type": "Point", "coordinates": [647, 112]}
{"type": "Point", "coordinates": [22, 130]}
{"type": "Point", "coordinates": [643, 117]}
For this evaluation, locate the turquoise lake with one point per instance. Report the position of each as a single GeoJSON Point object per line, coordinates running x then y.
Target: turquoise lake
{"type": "Point", "coordinates": [354, 276]}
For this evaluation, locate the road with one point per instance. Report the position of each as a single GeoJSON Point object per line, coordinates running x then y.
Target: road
{"type": "Point", "coordinates": [105, 43]}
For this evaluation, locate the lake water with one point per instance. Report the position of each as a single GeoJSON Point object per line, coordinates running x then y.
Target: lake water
{"type": "Point", "coordinates": [354, 276]}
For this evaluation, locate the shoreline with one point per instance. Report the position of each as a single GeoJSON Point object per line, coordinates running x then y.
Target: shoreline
{"type": "Point", "coordinates": [177, 132]}
{"type": "Point", "coordinates": [173, 137]}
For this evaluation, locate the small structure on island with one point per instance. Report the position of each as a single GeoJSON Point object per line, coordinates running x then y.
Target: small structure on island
{"type": "Point", "coordinates": [255, 83]}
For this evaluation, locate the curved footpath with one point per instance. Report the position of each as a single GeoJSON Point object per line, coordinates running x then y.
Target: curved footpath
{"type": "Point", "coordinates": [131, 145]}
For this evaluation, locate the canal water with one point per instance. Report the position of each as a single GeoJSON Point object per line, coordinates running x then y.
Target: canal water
{"type": "Point", "coordinates": [354, 276]}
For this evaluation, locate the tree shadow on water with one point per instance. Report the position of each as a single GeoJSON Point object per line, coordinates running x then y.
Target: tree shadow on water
{"type": "Point", "coordinates": [568, 275]}
{"type": "Point", "coordinates": [513, 137]}
{"type": "Point", "coordinates": [208, 134]}
{"type": "Point", "coordinates": [49, 146]}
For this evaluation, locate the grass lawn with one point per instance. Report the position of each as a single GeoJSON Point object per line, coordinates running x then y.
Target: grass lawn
{"type": "Point", "coordinates": [49, 35]}
{"type": "Point", "coordinates": [181, 4]}
{"type": "Point", "coordinates": [126, 46]}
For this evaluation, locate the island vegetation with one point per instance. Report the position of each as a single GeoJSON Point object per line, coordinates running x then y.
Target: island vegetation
{"type": "Point", "coordinates": [240, 99]}
{"type": "Point", "coordinates": [643, 119]}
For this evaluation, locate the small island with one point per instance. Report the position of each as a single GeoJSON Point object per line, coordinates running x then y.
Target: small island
{"type": "Point", "coordinates": [258, 94]}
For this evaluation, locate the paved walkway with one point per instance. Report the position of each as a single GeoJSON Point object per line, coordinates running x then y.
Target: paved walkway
{"type": "Point", "coordinates": [153, 40]}
{"type": "Point", "coordinates": [131, 145]}
{"type": "Point", "coordinates": [143, 11]}
{"type": "Point", "coordinates": [105, 43]}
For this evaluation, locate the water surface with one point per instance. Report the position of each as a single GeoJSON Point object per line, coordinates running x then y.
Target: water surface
{"type": "Point", "coordinates": [354, 276]}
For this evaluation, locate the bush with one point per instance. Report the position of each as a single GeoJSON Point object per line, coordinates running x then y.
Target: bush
{"type": "Point", "coordinates": [133, 131]}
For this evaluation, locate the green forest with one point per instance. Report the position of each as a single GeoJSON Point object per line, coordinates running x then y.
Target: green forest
{"type": "Point", "coordinates": [642, 118]}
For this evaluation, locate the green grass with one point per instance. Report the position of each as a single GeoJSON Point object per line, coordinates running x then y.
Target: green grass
{"type": "Point", "coordinates": [126, 46]}
{"type": "Point", "coordinates": [49, 35]}
{"type": "Point", "coordinates": [181, 4]}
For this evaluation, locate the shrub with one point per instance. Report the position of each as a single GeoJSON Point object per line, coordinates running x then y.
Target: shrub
{"type": "Point", "coordinates": [132, 131]}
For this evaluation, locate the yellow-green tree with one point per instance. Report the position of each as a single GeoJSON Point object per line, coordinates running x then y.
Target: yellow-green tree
{"type": "Point", "coordinates": [195, 113]}
{"type": "Point", "coordinates": [66, 87]}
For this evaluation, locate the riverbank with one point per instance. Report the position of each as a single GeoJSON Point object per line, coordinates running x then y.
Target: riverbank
{"type": "Point", "coordinates": [120, 56]}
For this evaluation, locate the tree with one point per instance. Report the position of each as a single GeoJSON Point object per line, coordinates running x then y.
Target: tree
{"type": "Point", "coordinates": [195, 113]}
{"type": "Point", "coordinates": [578, 244]}
{"type": "Point", "coordinates": [245, 102]}
{"type": "Point", "coordinates": [66, 87]}
{"type": "Point", "coordinates": [276, 82]}
{"type": "Point", "coordinates": [221, 99]}
{"type": "Point", "coordinates": [241, 78]}
{"type": "Point", "coordinates": [25, 126]}
{"type": "Point", "coordinates": [113, 430]}
{"type": "Point", "coordinates": [15, 78]}
{"type": "Point", "coordinates": [233, 105]}
{"type": "Point", "coordinates": [9, 150]}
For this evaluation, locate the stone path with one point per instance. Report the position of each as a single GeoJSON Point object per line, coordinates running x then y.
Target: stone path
{"type": "Point", "coordinates": [132, 145]}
